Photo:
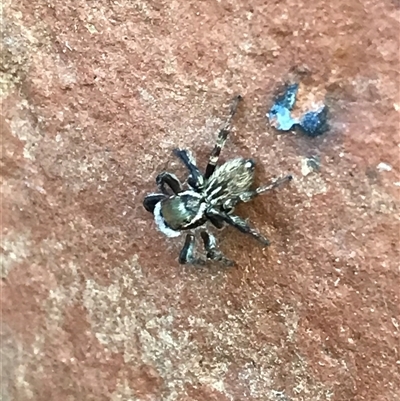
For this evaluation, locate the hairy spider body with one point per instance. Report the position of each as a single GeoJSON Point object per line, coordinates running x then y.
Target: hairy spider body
{"type": "Point", "coordinates": [189, 209]}
{"type": "Point", "coordinates": [210, 197]}
{"type": "Point", "coordinates": [229, 181]}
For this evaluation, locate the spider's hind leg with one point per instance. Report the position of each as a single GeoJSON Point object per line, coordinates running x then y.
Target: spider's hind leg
{"type": "Point", "coordinates": [249, 195]}
{"type": "Point", "coordinates": [221, 139]}
{"type": "Point", "coordinates": [272, 185]}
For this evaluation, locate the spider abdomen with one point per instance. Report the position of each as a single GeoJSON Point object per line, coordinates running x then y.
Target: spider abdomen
{"type": "Point", "coordinates": [229, 181]}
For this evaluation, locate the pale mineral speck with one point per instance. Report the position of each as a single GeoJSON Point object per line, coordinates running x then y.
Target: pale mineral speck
{"type": "Point", "coordinates": [384, 167]}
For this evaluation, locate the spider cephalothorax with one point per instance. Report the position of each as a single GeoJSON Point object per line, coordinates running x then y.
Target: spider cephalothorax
{"type": "Point", "coordinates": [209, 197]}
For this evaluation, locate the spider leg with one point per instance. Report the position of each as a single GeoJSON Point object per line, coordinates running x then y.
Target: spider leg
{"type": "Point", "coordinates": [213, 253]}
{"type": "Point", "coordinates": [272, 185]}
{"type": "Point", "coordinates": [151, 200]}
{"type": "Point", "coordinates": [196, 179]}
{"type": "Point", "coordinates": [249, 195]}
{"type": "Point", "coordinates": [186, 255]}
{"type": "Point", "coordinates": [216, 221]}
{"type": "Point", "coordinates": [241, 225]}
{"type": "Point", "coordinates": [221, 139]}
{"type": "Point", "coordinates": [169, 179]}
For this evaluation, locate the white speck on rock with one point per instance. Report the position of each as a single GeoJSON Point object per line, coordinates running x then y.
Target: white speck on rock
{"type": "Point", "coordinates": [384, 167]}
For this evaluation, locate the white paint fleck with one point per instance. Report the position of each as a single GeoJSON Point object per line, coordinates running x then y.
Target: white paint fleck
{"type": "Point", "coordinates": [305, 168]}
{"type": "Point", "coordinates": [309, 165]}
{"type": "Point", "coordinates": [384, 167]}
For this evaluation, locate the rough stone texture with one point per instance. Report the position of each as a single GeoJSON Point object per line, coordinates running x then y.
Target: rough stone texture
{"type": "Point", "coordinates": [94, 304]}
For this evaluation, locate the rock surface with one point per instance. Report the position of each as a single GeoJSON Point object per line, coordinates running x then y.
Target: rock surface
{"type": "Point", "coordinates": [94, 304]}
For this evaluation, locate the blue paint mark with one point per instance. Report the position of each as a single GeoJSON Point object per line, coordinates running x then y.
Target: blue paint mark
{"type": "Point", "coordinates": [282, 118]}
{"type": "Point", "coordinates": [288, 98]}
{"type": "Point", "coordinates": [280, 115]}
{"type": "Point", "coordinates": [312, 123]}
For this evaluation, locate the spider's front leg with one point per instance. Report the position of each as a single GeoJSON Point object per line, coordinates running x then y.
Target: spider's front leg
{"type": "Point", "coordinates": [151, 200]}
{"type": "Point", "coordinates": [163, 179]}
{"type": "Point", "coordinates": [196, 179]}
{"type": "Point", "coordinates": [169, 179]}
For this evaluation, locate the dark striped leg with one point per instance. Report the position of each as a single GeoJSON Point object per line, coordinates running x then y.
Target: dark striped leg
{"type": "Point", "coordinates": [196, 179]}
{"type": "Point", "coordinates": [216, 221]}
{"type": "Point", "coordinates": [213, 253]}
{"type": "Point", "coordinates": [169, 179]}
{"type": "Point", "coordinates": [221, 139]}
{"type": "Point", "coordinates": [249, 195]}
{"type": "Point", "coordinates": [186, 255]}
{"type": "Point", "coordinates": [151, 200]}
{"type": "Point", "coordinates": [272, 185]}
{"type": "Point", "coordinates": [241, 225]}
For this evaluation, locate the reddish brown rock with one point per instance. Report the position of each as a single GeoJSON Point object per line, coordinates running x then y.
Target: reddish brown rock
{"type": "Point", "coordinates": [94, 304]}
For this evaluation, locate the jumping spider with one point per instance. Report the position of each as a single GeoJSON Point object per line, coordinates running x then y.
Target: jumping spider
{"type": "Point", "coordinates": [210, 197]}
